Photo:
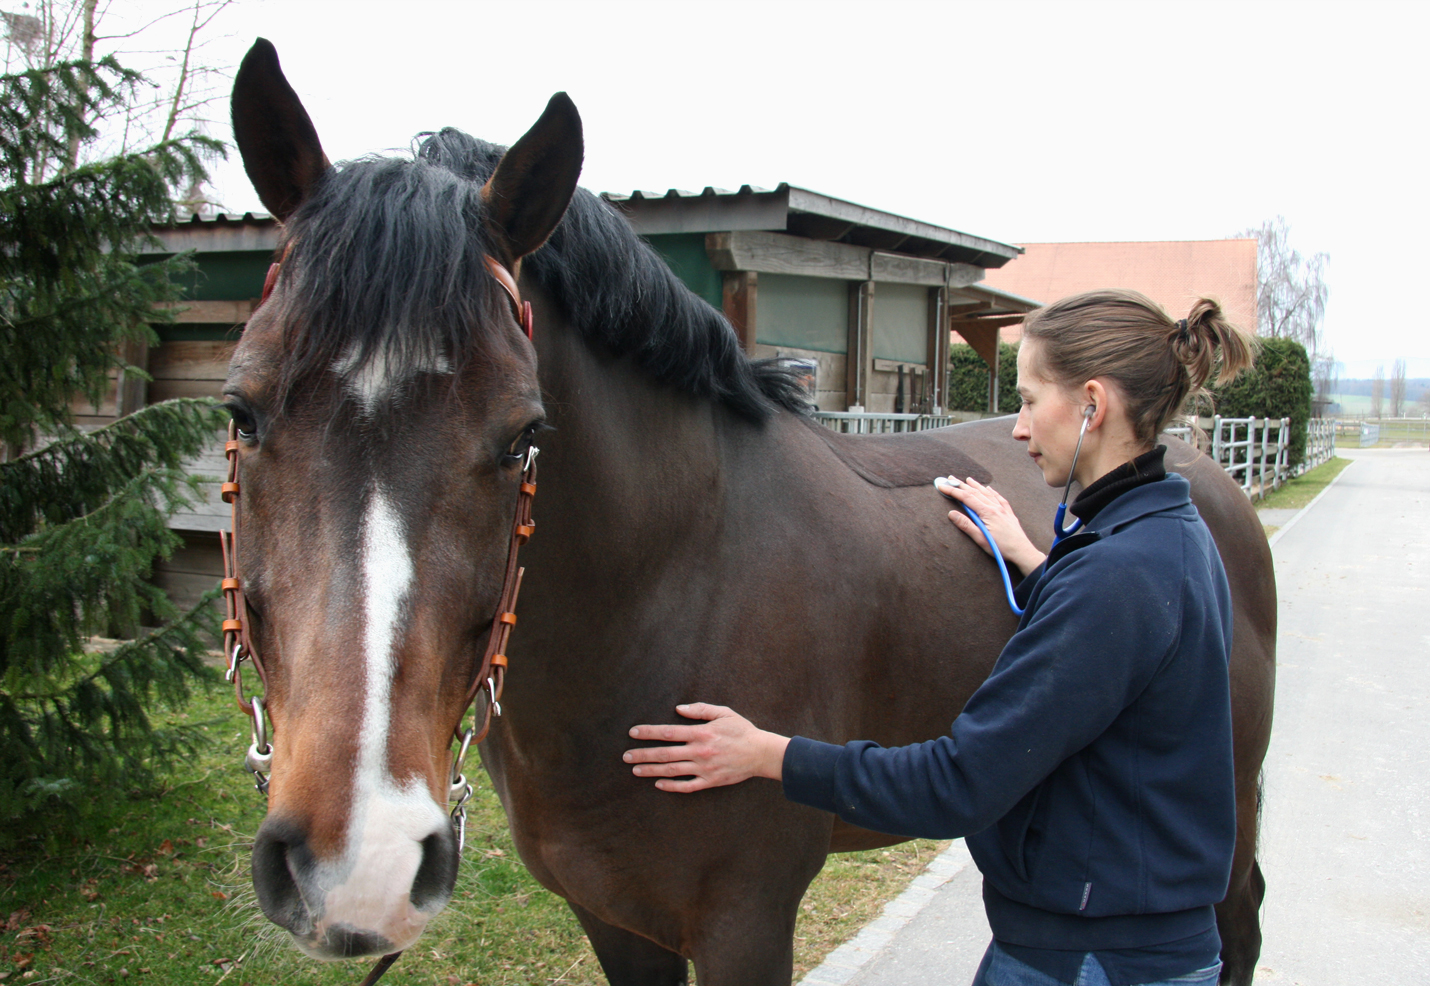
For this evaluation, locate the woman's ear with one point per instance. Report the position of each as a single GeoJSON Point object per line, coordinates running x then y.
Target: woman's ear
{"type": "Point", "coordinates": [1095, 403]}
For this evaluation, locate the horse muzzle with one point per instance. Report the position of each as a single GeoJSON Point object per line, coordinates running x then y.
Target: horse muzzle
{"type": "Point", "coordinates": [375, 898]}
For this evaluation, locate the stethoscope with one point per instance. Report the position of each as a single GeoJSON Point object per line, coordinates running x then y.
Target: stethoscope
{"type": "Point", "coordinates": [1059, 531]}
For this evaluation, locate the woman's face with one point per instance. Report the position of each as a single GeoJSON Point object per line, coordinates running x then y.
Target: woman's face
{"type": "Point", "coordinates": [1050, 418]}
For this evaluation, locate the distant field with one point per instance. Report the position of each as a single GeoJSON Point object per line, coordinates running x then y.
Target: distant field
{"type": "Point", "coordinates": [1359, 405]}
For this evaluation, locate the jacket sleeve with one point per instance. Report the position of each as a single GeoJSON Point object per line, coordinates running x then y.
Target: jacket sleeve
{"type": "Point", "coordinates": [1098, 633]}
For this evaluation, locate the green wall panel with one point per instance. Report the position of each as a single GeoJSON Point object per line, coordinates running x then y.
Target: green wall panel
{"type": "Point", "coordinates": [685, 253]}
{"type": "Point", "coordinates": [230, 275]}
{"type": "Point", "coordinates": [803, 312]}
{"type": "Point", "coordinates": [901, 322]}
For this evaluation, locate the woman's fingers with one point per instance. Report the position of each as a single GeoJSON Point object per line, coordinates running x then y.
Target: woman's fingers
{"type": "Point", "coordinates": [961, 521]}
{"type": "Point", "coordinates": [675, 768]}
{"type": "Point", "coordinates": [658, 754]}
{"type": "Point", "coordinates": [665, 733]}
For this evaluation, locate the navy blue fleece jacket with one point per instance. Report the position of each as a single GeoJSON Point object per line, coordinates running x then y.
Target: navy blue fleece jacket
{"type": "Point", "coordinates": [1091, 774]}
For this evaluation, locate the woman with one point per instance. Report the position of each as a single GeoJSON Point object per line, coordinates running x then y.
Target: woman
{"type": "Point", "coordinates": [1091, 774]}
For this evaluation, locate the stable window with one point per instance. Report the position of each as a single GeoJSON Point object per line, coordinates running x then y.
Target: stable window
{"type": "Point", "coordinates": [803, 313]}
{"type": "Point", "coordinates": [900, 323]}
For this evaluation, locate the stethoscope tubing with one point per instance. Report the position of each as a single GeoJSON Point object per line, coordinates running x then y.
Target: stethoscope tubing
{"type": "Point", "coordinates": [1059, 531]}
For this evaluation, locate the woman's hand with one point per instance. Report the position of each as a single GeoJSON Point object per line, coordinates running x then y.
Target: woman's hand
{"type": "Point", "coordinates": [725, 749]}
{"type": "Point", "coordinates": [996, 515]}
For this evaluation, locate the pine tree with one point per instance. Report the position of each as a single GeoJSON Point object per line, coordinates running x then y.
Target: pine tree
{"type": "Point", "coordinates": [82, 514]}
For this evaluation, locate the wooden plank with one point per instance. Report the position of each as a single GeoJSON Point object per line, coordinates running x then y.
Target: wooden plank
{"type": "Point", "coordinates": [778, 253]}
{"type": "Point", "coordinates": [200, 554]}
{"type": "Point", "coordinates": [982, 337]}
{"type": "Point", "coordinates": [907, 270]}
{"type": "Point", "coordinates": [211, 312]}
{"type": "Point", "coordinates": [129, 391]}
{"type": "Point", "coordinates": [184, 589]}
{"type": "Point", "coordinates": [166, 390]}
{"type": "Point", "coordinates": [191, 360]}
{"type": "Point", "coordinates": [859, 366]}
{"type": "Point", "coordinates": [964, 275]}
{"type": "Point", "coordinates": [740, 295]}
{"type": "Point", "coordinates": [892, 366]}
{"type": "Point", "coordinates": [997, 321]}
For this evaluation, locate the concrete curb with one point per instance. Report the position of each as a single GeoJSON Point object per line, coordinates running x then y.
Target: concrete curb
{"type": "Point", "coordinates": [845, 962]}
{"type": "Point", "coordinates": [1303, 511]}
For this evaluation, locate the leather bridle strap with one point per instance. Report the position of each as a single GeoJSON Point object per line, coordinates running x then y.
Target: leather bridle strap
{"type": "Point", "coordinates": [492, 671]}
{"type": "Point", "coordinates": [508, 282]}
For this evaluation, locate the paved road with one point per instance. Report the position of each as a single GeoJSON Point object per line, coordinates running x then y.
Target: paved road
{"type": "Point", "coordinates": [1346, 828]}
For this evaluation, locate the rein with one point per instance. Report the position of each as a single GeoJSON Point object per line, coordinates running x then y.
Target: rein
{"type": "Point", "coordinates": [490, 677]}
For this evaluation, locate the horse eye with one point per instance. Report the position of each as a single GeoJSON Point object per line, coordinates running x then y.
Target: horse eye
{"type": "Point", "coordinates": [243, 424]}
{"type": "Point", "coordinates": [517, 451]}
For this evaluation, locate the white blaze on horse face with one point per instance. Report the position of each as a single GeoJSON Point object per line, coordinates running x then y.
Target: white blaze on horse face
{"type": "Point", "coordinates": [369, 891]}
{"type": "Point", "coordinates": [377, 378]}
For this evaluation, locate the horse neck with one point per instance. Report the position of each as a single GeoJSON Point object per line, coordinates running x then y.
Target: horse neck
{"type": "Point", "coordinates": [631, 461]}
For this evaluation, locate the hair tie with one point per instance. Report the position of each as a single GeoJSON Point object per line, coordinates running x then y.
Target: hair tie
{"type": "Point", "coordinates": [1182, 327]}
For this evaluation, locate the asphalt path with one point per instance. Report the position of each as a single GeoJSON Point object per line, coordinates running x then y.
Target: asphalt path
{"type": "Point", "coordinates": [1345, 842]}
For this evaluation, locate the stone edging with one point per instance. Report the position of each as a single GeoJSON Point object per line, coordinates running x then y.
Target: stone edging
{"type": "Point", "coordinates": [845, 962]}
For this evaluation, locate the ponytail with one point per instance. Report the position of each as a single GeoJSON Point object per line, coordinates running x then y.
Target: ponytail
{"type": "Point", "coordinates": [1160, 366]}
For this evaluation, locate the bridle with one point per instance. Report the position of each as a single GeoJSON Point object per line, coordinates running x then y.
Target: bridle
{"type": "Point", "coordinates": [490, 677]}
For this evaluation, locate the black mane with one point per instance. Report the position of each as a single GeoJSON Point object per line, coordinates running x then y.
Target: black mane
{"type": "Point", "coordinates": [387, 256]}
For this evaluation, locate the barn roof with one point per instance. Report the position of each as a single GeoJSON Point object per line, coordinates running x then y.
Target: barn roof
{"type": "Point", "coordinates": [801, 212]}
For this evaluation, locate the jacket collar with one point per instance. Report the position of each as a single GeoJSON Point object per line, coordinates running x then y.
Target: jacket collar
{"type": "Point", "coordinates": [1146, 468]}
{"type": "Point", "coordinates": [1172, 492]}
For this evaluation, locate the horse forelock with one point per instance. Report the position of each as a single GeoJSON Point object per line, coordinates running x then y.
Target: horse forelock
{"type": "Point", "coordinates": [383, 278]}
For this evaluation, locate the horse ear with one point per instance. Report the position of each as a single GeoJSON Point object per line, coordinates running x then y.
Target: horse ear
{"type": "Point", "coordinates": [275, 137]}
{"type": "Point", "coordinates": [532, 186]}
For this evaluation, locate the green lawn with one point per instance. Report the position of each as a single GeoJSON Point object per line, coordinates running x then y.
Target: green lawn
{"type": "Point", "coordinates": [1304, 488]}
{"type": "Point", "coordinates": [158, 892]}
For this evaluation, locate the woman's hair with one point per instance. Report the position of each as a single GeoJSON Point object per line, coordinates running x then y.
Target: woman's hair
{"type": "Point", "coordinates": [1159, 365]}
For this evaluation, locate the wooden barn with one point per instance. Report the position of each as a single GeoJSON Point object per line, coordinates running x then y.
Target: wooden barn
{"type": "Point", "coordinates": [867, 298]}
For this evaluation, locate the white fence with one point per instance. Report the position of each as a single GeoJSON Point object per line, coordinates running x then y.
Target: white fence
{"type": "Point", "coordinates": [868, 423]}
{"type": "Point", "coordinates": [1254, 451]}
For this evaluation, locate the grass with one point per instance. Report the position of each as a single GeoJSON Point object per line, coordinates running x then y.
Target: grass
{"type": "Point", "coordinates": [158, 892]}
{"type": "Point", "coordinates": [1298, 492]}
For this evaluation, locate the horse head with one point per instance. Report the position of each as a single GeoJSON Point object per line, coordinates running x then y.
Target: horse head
{"type": "Point", "coordinates": [384, 399]}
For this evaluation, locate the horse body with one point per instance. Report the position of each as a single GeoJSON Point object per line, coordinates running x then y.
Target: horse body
{"type": "Point", "coordinates": [698, 539]}
{"type": "Point", "coordinates": [753, 566]}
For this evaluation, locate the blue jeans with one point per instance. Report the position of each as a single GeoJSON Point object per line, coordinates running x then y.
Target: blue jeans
{"type": "Point", "coordinates": [1001, 969]}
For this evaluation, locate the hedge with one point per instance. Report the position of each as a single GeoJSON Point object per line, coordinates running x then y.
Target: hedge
{"type": "Point", "coordinates": [1278, 386]}
{"type": "Point", "coordinates": [968, 378]}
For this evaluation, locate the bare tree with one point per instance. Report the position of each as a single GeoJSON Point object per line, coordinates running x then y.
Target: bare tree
{"type": "Point", "coordinates": [1326, 375]}
{"type": "Point", "coordinates": [1377, 392]}
{"type": "Point", "coordinates": [1291, 290]}
{"type": "Point", "coordinates": [168, 49]}
{"type": "Point", "coordinates": [1397, 387]}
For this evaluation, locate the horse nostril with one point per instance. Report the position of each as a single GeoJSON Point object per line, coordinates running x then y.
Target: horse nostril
{"type": "Point", "coordinates": [432, 886]}
{"type": "Point", "coordinates": [280, 851]}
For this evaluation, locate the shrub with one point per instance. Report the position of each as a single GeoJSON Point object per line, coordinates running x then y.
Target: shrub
{"type": "Point", "coordinates": [1277, 386]}
{"type": "Point", "coordinates": [968, 379]}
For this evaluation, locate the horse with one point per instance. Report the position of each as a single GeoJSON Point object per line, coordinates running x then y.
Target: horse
{"type": "Point", "coordinates": [701, 538]}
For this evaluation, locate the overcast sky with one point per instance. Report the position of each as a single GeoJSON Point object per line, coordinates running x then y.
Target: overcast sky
{"type": "Point", "coordinates": [1022, 122]}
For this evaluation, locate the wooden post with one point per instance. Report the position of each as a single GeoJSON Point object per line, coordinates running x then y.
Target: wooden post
{"type": "Point", "coordinates": [859, 359]}
{"type": "Point", "coordinates": [741, 303]}
{"type": "Point", "coordinates": [130, 389]}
